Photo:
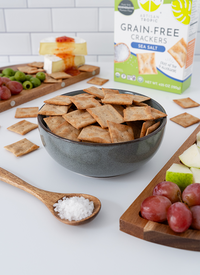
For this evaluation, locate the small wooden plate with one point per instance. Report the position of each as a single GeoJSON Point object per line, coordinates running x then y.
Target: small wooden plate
{"type": "Point", "coordinates": [132, 223]}
{"type": "Point", "coordinates": [44, 89]}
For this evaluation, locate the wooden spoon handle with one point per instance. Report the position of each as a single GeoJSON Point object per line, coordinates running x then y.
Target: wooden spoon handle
{"type": "Point", "coordinates": [19, 183]}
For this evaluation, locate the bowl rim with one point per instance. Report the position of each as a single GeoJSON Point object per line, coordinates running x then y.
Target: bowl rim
{"type": "Point", "coordinates": [75, 92]}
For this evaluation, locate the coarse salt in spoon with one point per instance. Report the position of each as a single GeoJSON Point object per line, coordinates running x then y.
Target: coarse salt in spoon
{"type": "Point", "coordinates": [50, 198]}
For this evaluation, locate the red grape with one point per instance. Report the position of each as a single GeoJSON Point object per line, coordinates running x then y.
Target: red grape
{"type": "Point", "coordinates": [5, 93]}
{"type": "Point", "coordinates": [15, 87]}
{"type": "Point", "coordinates": [195, 217]}
{"type": "Point", "coordinates": [5, 80]}
{"type": "Point", "coordinates": [168, 189]}
{"type": "Point", "coordinates": [191, 194]}
{"type": "Point", "coordinates": [179, 217]}
{"type": "Point", "coordinates": [154, 208]}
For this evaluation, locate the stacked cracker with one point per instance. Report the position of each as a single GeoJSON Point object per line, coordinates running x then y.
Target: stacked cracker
{"type": "Point", "coordinates": [101, 116]}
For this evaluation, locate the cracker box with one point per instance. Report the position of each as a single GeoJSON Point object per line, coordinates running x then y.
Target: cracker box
{"type": "Point", "coordinates": [155, 43]}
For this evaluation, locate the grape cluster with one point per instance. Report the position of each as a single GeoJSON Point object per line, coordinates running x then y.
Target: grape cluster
{"type": "Point", "coordinates": [168, 204]}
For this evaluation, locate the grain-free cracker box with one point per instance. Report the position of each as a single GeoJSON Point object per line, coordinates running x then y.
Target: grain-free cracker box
{"type": "Point", "coordinates": [154, 43]}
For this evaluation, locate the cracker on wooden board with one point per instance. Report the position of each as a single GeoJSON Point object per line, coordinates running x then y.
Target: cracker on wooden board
{"type": "Point", "coordinates": [94, 91]}
{"type": "Point", "coordinates": [104, 113]}
{"type": "Point", "coordinates": [79, 118]}
{"type": "Point", "coordinates": [60, 75]}
{"type": "Point", "coordinates": [53, 121]}
{"type": "Point", "coordinates": [85, 102]}
{"type": "Point", "coordinates": [179, 52]}
{"type": "Point", "coordinates": [120, 99]}
{"type": "Point", "coordinates": [26, 112]}
{"type": "Point", "coordinates": [29, 70]}
{"type": "Point", "coordinates": [51, 80]}
{"type": "Point", "coordinates": [97, 81]}
{"type": "Point", "coordinates": [186, 102]}
{"type": "Point", "coordinates": [146, 63]}
{"type": "Point", "coordinates": [53, 110]}
{"type": "Point", "coordinates": [66, 130]}
{"type": "Point", "coordinates": [185, 119]}
{"type": "Point", "coordinates": [138, 113]}
{"type": "Point", "coordinates": [21, 147]}
{"type": "Point", "coordinates": [119, 132]}
{"type": "Point", "coordinates": [22, 127]}
{"type": "Point", "coordinates": [37, 64]}
{"type": "Point", "coordinates": [95, 134]}
{"type": "Point", "coordinates": [87, 68]}
{"type": "Point", "coordinates": [152, 128]}
{"type": "Point", "coordinates": [59, 100]}
{"type": "Point", "coordinates": [109, 91]}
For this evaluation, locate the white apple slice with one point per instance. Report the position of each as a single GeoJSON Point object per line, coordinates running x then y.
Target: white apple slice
{"type": "Point", "coordinates": [191, 156]}
{"type": "Point", "coordinates": [196, 174]}
{"type": "Point", "coordinates": [179, 174]}
{"type": "Point", "coordinates": [198, 139]}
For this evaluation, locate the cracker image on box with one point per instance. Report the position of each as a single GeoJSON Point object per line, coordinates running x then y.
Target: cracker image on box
{"type": "Point", "coordinates": [146, 63]}
{"type": "Point", "coordinates": [179, 52]}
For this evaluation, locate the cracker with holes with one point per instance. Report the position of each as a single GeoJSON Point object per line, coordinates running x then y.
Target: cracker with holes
{"type": "Point", "coordinates": [60, 75]}
{"type": "Point", "coordinates": [104, 113]}
{"type": "Point", "coordinates": [79, 118]}
{"type": "Point", "coordinates": [95, 134]}
{"type": "Point", "coordinates": [22, 127]}
{"type": "Point", "coordinates": [185, 120]}
{"type": "Point", "coordinates": [21, 147]}
{"type": "Point", "coordinates": [59, 100]}
{"type": "Point", "coordinates": [179, 52]}
{"type": "Point", "coordinates": [26, 112]}
{"type": "Point", "coordinates": [119, 132]}
{"type": "Point", "coordinates": [186, 103]}
{"type": "Point", "coordinates": [36, 64]}
{"type": "Point", "coordinates": [53, 110]}
{"type": "Point", "coordinates": [146, 63]}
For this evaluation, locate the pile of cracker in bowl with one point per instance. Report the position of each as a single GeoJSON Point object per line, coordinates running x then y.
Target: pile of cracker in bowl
{"type": "Point", "coordinates": [101, 116]}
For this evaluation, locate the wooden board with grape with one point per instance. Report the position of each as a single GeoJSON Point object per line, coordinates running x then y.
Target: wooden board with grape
{"type": "Point", "coordinates": [50, 86]}
{"type": "Point", "coordinates": [131, 222]}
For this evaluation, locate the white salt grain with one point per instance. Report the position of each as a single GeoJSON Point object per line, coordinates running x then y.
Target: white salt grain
{"type": "Point", "coordinates": [121, 52]}
{"type": "Point", "coordinates": [74, 208]}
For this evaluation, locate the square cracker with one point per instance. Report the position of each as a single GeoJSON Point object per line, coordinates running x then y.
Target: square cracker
{"type": "Point", "coordinates": [120, 99]}
{"type": "Point", "coordinates": [26, 112]}
{"type": "Point", "coordinates": [145, 126]}
{"type": "Point", "coordinates": [85, 102]}
{"type": "Point", "coordinates": [146, 63]}
{"type": "Point", "coordinates": [104, 113]}
{"type": "Point", "coordinates": [136, 126]}
{"type": "Point", "coordinates": [60, 75]}
{"type": "Point", "coordinates": [66, 130]}
{"type": "Point", "coordinates": [185, 119]}
{"type": "Point", "coordinates": [37, 64]}
{"type": "Point", "coordinates": [79, 118]}
{"type": "Point", "coordinates": [97, 81]}
{"type": "Point", "coordinates": [88, 68]}
{"type": "Point", "coordinates": [53, 121]}
{"type": "Point", "coordinates": [119, 132]}
{"type": "Point", "coordinates": [94, 91]}
{"type": "Point", "coordinates": [109, 91]}
{"type": "Point", "coordinates": [140, 98]}
{"type": "Point", "coordinates": [59, 100]}
{"type": "Point", "coordinates": [157, 114]}
{"type": "Point", "coordinates": [53, 110]}
{"type": "Point", "coordinates": [138, 113]}
{"type": "Point", "coordinates": [95, 134]}
{"type": "Point", "coordinates": [152, 128]}
{"type": "Point", "coordinates": [28, 69]}
{"type": "Point", "coordinates": [179, 52]}
{"type": "Point", "coordinates": [21, 147]}
{"type": "Point", "coordinates": [186, 102]}
{"type": "Point", "coordinates": [22, 127]}
{"type": "Point", "coordinates": [51, 80]}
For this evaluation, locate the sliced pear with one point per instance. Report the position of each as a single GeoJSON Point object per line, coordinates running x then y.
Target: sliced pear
{"type": "Point", "coordinates": [179, 174]}
{"type": "Point", "coordinates": [198, 139]}
{"type": "Point", "coordinates": [196, 174]}
{"type": "Point", "coordinates": [191, 156]}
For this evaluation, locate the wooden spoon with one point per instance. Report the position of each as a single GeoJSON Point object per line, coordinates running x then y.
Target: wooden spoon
{"type": "Point", "coordinates": [49, 198]}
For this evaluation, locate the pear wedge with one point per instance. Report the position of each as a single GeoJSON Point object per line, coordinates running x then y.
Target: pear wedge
{"type": "Point", "coordinates": [191, 156]}
{"type": "Point", "coordinates": [196, 174]}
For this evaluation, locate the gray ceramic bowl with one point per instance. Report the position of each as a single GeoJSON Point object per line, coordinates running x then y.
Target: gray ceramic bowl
{"type": "Point", "coordinates": [102, 160]}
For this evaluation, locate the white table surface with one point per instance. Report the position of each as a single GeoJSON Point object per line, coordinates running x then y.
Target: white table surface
{"type": "Point", "coordinates": [33, 242]}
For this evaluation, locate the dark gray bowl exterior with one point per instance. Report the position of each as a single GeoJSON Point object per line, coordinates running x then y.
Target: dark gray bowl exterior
{"type": "Point", "coordinates": [102, 160]}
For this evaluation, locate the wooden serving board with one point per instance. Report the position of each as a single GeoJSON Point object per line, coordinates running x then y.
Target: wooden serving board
{"type": "Point", "coordinates": [43, 89]}
{"type": "Point", "coordinates": [132, 223]}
